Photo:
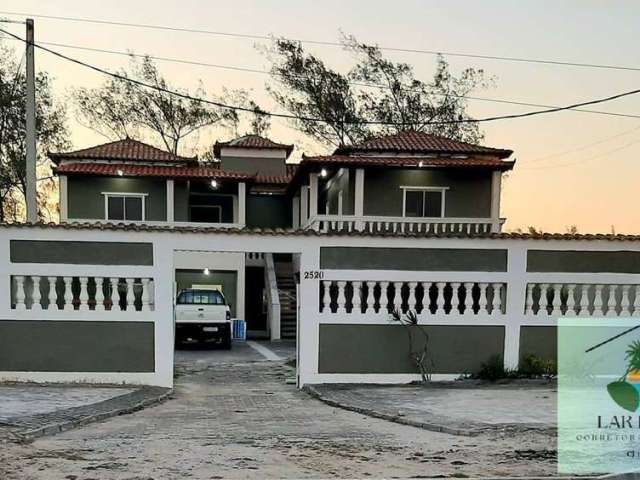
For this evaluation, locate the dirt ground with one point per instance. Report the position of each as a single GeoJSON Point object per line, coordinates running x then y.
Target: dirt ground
{"type": "Point", "coordinates": [242, 420]}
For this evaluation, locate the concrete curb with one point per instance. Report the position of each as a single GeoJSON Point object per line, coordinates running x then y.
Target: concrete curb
{"type": "Point", "coordinates": [433, 427]}
{"type": "Point", "coordinates": [103, 411]}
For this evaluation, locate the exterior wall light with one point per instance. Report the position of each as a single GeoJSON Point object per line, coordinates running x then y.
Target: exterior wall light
{"type": "Point", "coordinates": [421, 164]}
{"type": "Point", "coordinates": [206, 271]}
{"type": "Point", "coordinates": [120, 173]}
{"type": "Point", "coordinates": [214, 184]}
{"type": "Point", "coordinates": [323, 172]}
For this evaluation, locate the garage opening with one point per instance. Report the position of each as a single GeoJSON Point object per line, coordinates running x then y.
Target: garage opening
{"type": "Point", "coordinates": [258, 292]}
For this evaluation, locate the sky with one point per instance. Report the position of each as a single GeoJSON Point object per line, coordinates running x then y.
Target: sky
{"type": "Point", "coordinates": [572, 168]}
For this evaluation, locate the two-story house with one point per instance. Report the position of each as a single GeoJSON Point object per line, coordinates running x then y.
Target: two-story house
{"type": "Point", "coordinates": [408, 182]}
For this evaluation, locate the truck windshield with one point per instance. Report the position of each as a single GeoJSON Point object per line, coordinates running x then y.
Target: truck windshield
{"type": "Point", "coordinates": [201, 297]}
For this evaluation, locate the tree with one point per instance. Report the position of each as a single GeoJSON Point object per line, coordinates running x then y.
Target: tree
{"type": "Point", "coordinates": [306, 87]}
{"type": "Point", "coordinates": [375, 90]}
{"type": "Point", "coordinates": [51, 134]}
{"type": "Point", "coordinates": [122, 109]}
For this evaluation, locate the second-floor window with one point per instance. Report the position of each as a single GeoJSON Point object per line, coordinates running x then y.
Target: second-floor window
{"type": "Point", "coordinates": [124, 206]}
{"type": "Point", "coordinates": [423, 201]}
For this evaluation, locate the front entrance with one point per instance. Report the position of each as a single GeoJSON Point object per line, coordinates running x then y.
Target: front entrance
{"type": "Point", "coordinates": [255, 303]}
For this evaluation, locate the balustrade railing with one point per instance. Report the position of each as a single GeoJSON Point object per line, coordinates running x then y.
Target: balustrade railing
{"type": "Point", "coordinates": [423, 298]}
{"type": "Point", "coordinates": [583, 300]}
{"type": "Point", "coordinates": [34, 292]}
{"type": "Point", "coordinates": [350, 223]}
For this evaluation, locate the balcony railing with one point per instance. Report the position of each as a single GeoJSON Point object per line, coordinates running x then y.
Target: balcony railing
{"type": "Point", "coordinates": [158, 223]}
{"type": "Point", "coordinates": [351, 223]}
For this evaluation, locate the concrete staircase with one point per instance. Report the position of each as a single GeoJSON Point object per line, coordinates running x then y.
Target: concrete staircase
{"type": "Point", "coordinates": [287, 293]}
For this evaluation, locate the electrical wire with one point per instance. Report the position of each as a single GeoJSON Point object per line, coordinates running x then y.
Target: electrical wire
{"type": "Point", "coordinates": [266, 72]}
{"type": "Point", "coordinates": [315, 119]}
{"type": "Point", "coordinates": [326, 43]}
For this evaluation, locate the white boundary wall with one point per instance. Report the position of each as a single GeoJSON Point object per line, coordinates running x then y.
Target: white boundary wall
{"type": "Point", "coordinates": [165, 243]}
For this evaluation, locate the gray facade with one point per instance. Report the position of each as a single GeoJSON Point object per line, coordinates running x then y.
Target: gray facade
{"type": "Point", "coordinates": [268, 211]}
{"type": "Point", "coordinates": [86, 199]}
{"type": "Point", "coordinates": [385, 348]}
{"type": "Point", "coordinates": [468, 194]}
{"type": "Point", "coordinates": [254, 165]}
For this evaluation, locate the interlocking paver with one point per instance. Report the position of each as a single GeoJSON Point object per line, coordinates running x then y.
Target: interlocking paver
{"type": "Point", "coordinates": [242, 420]}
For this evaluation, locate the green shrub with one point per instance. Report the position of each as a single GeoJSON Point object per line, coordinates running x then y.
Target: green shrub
{"type": "Point", "coordinates": [493, 369]}
{"type": "Point", "coordinates": [533, 366]}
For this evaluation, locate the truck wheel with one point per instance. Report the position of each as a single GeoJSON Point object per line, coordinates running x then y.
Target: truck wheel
{"type": "Point", "coordinates": [226, 343]}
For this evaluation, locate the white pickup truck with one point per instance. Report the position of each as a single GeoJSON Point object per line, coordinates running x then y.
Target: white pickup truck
{"type": "Point", "coordinates": [203, 315]}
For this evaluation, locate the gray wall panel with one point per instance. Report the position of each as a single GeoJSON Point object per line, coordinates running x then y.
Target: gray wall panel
{"type": "Point", "coordinates": [428, 259]}
{"type": "Point", "coordinates": [261, 166]}
{"type": "Point", "coordinates": [385, 348]}
{"type": "Point", "coordinates": [540, 341]}
{"type": "Point", "coordinates": [70, 346]}
{"type": "Point", "coordinates": [81, 253]}
{"type": "Point", "coordinates": [583, 261]}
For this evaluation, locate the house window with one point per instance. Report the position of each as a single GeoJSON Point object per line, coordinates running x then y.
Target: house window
{"type": "Point", "coordinates": [423, 201]}
{"type": "Point", "coordinates": [206, 213]}
{"type": "Point", "coordinates": [124, 206]}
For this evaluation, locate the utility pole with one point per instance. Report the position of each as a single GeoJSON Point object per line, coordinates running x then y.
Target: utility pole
{"type": "Point", "coordinates": [30, 178]}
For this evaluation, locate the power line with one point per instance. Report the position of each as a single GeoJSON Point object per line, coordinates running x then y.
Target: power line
{"type": "Point", "coordinates": [327, 43]}
{"type": "Point", "coordinates": [584, 160]}
{"type": "Point", "coordinates": [315, 119]}
{"type": "Point", "coordinates": [581, 147]}
{"type": "Point", "coordinates": [266, 72]}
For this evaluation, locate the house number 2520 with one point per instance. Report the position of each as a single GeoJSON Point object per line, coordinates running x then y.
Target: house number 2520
{"type": "Point", "coordinates": [313, 275]}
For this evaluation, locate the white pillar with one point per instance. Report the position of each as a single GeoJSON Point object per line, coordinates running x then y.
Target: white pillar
{"type": "Point", "coordinates": [496, 186]}
{"type": "Point", "coordinates": [358, 201]}
{"type": "Point", "coordinates": [304, 206]}
{"type": "Point", "coordinates": [170, 201]}
{"type": "Point", "coordinates": [242, 203]}
{"type": "Point", "coordinates": [63, 198]}
{"type": "Point", "coordinates": [313, 195]}
{"type": "Point", "coordinates": [240, 285]}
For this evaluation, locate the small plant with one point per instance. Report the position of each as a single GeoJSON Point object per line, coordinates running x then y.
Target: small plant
{"type": "Point", "coordinates": [493, 369]}
{"type": "Point", "coordinates": [418, 351]}
{"type": "Point", "coordinates": [533, 366]}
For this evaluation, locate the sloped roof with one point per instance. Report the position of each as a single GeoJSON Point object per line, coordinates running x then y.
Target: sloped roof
{"type": "Point", "coordinates": [310, 232]}
{"type": "Point", "coordinates": [128, 170]}
{"type": "Point", "coordinates": [411, 141]}
{"type": "Point", "coordinates": [127, 149]}
{"type": "Point", "coordinates": [251, 141]}
{"type": "Point", "coordinates": [381, 161]}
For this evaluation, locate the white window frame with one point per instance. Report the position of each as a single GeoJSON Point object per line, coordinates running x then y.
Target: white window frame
{"type": "Point", "coordinates": [141, 196]}
{"type": "Point", "coordinates": [405, 189]}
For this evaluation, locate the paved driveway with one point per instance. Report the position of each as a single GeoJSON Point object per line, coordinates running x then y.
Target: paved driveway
{"type": "Point", "coordinates": [242, 420]}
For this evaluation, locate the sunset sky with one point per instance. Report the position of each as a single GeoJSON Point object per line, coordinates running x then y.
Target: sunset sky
{"type": "Point", "coordinates": [572, 168]}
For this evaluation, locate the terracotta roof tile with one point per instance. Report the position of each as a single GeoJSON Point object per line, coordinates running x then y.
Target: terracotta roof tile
{"type": "Point", "coordinates": [127, 149]}
{"type": "Point", "coordinates": [478, 162]}
{"type": "Point", "coordinates": [252, 141]}
{"type": "Point", "coordinates": [127, 170]}
{"type": "Point", "coordinates": [411, 141]}
{"type": "Point", "coordinates": [298, 232]}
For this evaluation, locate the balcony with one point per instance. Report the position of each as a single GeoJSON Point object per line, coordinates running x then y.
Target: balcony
{"type": "Point", "coordinates": [371, 224]}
